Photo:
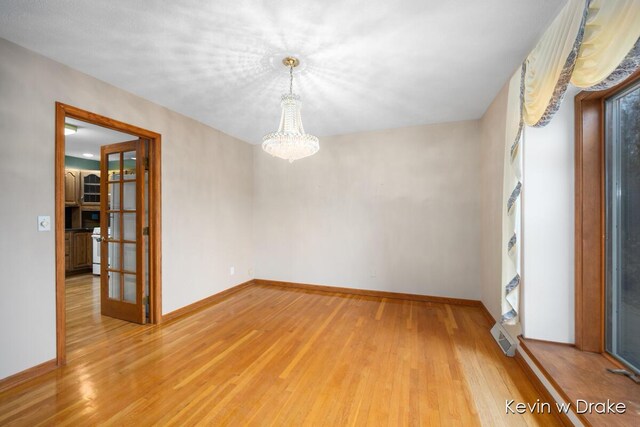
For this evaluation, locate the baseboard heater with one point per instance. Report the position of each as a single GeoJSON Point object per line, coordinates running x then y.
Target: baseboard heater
{"type": "Point", "coordinates": [504, 340]}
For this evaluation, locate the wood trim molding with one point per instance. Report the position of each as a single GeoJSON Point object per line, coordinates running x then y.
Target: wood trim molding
{"type": "Point", "coordinates": [155, 206]}
{"type": "Point", "coordinates": [24, 376]}
{"type": "Point", "coordinates": [204, 303]}
{"type": "Point", "coordinates": [522, 346]}
{"type": "Point", "coordinates": [544, 393]}
{"type": "Point", "coordinates": [370, 293]}
{"type": "Point", "coordinates": [589, 219]}
{"type": "Point", "coordinates": [571, 374]}
{"type": "Point", "coordinates": [590, 226]}
{"type": "Point", "coordinates": [155, 228]}
{"type": "Point", "coordinates": [521, 338]}
{"type": "Point", "coordinates": [61, 312]}
{"type": "Point", "coordinates": [104, 121]}
{"type": "Point", "coordinates": [487, 313]}
{"type": "Point", "coordinates": [220, 296]}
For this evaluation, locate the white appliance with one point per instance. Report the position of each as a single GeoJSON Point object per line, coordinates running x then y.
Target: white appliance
{"type": "Point", "coordinates": [96, 250]}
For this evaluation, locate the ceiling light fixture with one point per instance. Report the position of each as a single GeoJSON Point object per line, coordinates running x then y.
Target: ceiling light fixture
{"type": "Point", "coordinates": [87, 155]}
{"type": "Point", "coordinates": [290, 142]}
{"type": "Point", "coordinates": [70, 129]}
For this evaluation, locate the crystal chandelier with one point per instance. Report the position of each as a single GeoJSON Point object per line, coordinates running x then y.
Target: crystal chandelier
{"type": "Point", "coordinates": [290, 142]}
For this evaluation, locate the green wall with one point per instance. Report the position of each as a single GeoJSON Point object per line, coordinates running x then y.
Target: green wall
{"type": "Point", "coordinates": [78, 163]}
{"type": "Point", "coordinates": [92, 165]}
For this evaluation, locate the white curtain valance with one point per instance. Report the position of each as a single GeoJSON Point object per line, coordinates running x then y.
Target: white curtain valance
{"type": "Point", "coordinates": [611, 32]}
{"type": "Point", "coordinates": [628, 66]}
{"type": "Point", "coordinates": [550, 64]}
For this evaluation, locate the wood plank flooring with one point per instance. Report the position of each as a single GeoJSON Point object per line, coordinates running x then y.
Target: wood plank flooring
{"type": "Point", "coordinates": [85, 324]}
{"type": "Point", "coordinates": [273, 356]}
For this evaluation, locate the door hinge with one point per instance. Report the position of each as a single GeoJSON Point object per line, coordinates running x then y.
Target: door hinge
{"type": "Point", "coordinates": [145, 231]}
{"type": "Point", "coordinates": [146, 163]}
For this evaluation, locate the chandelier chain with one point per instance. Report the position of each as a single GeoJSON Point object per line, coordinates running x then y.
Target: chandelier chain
{"type": "Point", "coordinates": [290, 79]}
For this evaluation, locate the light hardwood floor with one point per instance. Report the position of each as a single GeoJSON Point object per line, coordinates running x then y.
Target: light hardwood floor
{"type": "Point", "coordinates": [274, 356]}
{"type": "Point", "coordinates": [85, 324]}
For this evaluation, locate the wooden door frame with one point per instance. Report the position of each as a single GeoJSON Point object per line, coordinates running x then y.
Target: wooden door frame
{"type": "Point", "coordinates": [155, 213]}
{"type": "Point", "coordinates": [590, 221]}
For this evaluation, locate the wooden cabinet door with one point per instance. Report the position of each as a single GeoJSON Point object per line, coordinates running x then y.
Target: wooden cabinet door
{"type": "Point", "coordinates": [89, 249]}
{"type": "Point", "coordinates": [67, 251]}
{"type": "Point", "coordinates": [71, 187]}
{"type": "Point", "coordinates": [77, 252]}
{"type": "Point", "coordinates": [80, 251]}
{"type": "Point", "coordinates": [90, 188]}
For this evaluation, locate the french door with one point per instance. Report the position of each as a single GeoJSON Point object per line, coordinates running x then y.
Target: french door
{"type": "Point", "coordinates": [122, 227]}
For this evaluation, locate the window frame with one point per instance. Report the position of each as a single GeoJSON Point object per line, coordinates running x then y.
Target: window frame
{"type": "Point", "coordinates": [590, 220]}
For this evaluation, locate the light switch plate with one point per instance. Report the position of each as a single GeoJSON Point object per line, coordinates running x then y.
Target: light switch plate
{"type": "Point", "coordinates": [44, 223]}
{"type": "Point", "coordinates": [232, 271]}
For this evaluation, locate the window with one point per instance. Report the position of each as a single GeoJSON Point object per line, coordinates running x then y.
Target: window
{"type": "Point", "coordinates": [622, 219]}
{"type": "Point", "coordinates": [607, 165]}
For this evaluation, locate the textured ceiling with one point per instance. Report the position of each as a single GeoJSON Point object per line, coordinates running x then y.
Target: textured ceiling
{"type": "Point", "coordinates": [367, 65]}
{"type": "Point", "coordinates": [89, 138]}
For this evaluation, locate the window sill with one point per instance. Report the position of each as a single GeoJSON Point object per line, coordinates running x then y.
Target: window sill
{"type": "Point", "coordinates": [583, 375]}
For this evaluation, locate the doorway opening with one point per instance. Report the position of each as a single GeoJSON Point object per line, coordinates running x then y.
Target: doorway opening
{"type": "Point", "coordinates": [108, 249]}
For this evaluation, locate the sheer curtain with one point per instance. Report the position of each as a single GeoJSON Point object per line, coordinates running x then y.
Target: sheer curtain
{"type": "Point", "coordinates": [511, 190]}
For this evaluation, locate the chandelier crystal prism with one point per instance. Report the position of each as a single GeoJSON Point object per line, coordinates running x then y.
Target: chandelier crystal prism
{"type": "Point", "coordinates": [290, 142]}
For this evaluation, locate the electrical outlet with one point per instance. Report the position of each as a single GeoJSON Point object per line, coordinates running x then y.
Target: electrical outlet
{"type": "Point", "coordinates": [232, 271]}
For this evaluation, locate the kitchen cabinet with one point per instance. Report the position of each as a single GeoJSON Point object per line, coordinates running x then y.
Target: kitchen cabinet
{"type": "Point", "coordinates": [82, 198]}
{"type": "Point", "coordinates": [81, 250]}
{"type": "Point", "coordinates": [81, 188]}
{"type": "Point", "coordinates": [71, 187]}
{"type": "Point", "coordinates": [90, 188]}
{"type": "Point", "coordinates": [78, 251]}
{"type": "Point", "coordinates": [67, 251]}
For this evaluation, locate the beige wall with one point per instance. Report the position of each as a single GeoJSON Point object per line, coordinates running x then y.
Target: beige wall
{"type": "Point", "coordinates": [207, 181]}
{"type": "Point", "coordinates": [411, 210]}
{"type": "Point", "coordinates": [548, 208]}
{"type": "Point", "coordinates": [492, 129]}
{"type": "Point", "coordinates": [396, 210]}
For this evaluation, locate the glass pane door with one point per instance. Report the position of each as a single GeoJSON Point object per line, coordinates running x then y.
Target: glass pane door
{"type": "Point", "coordinates": [123, 206]}
{"type": "Point", "coordinates": [623, 226]}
